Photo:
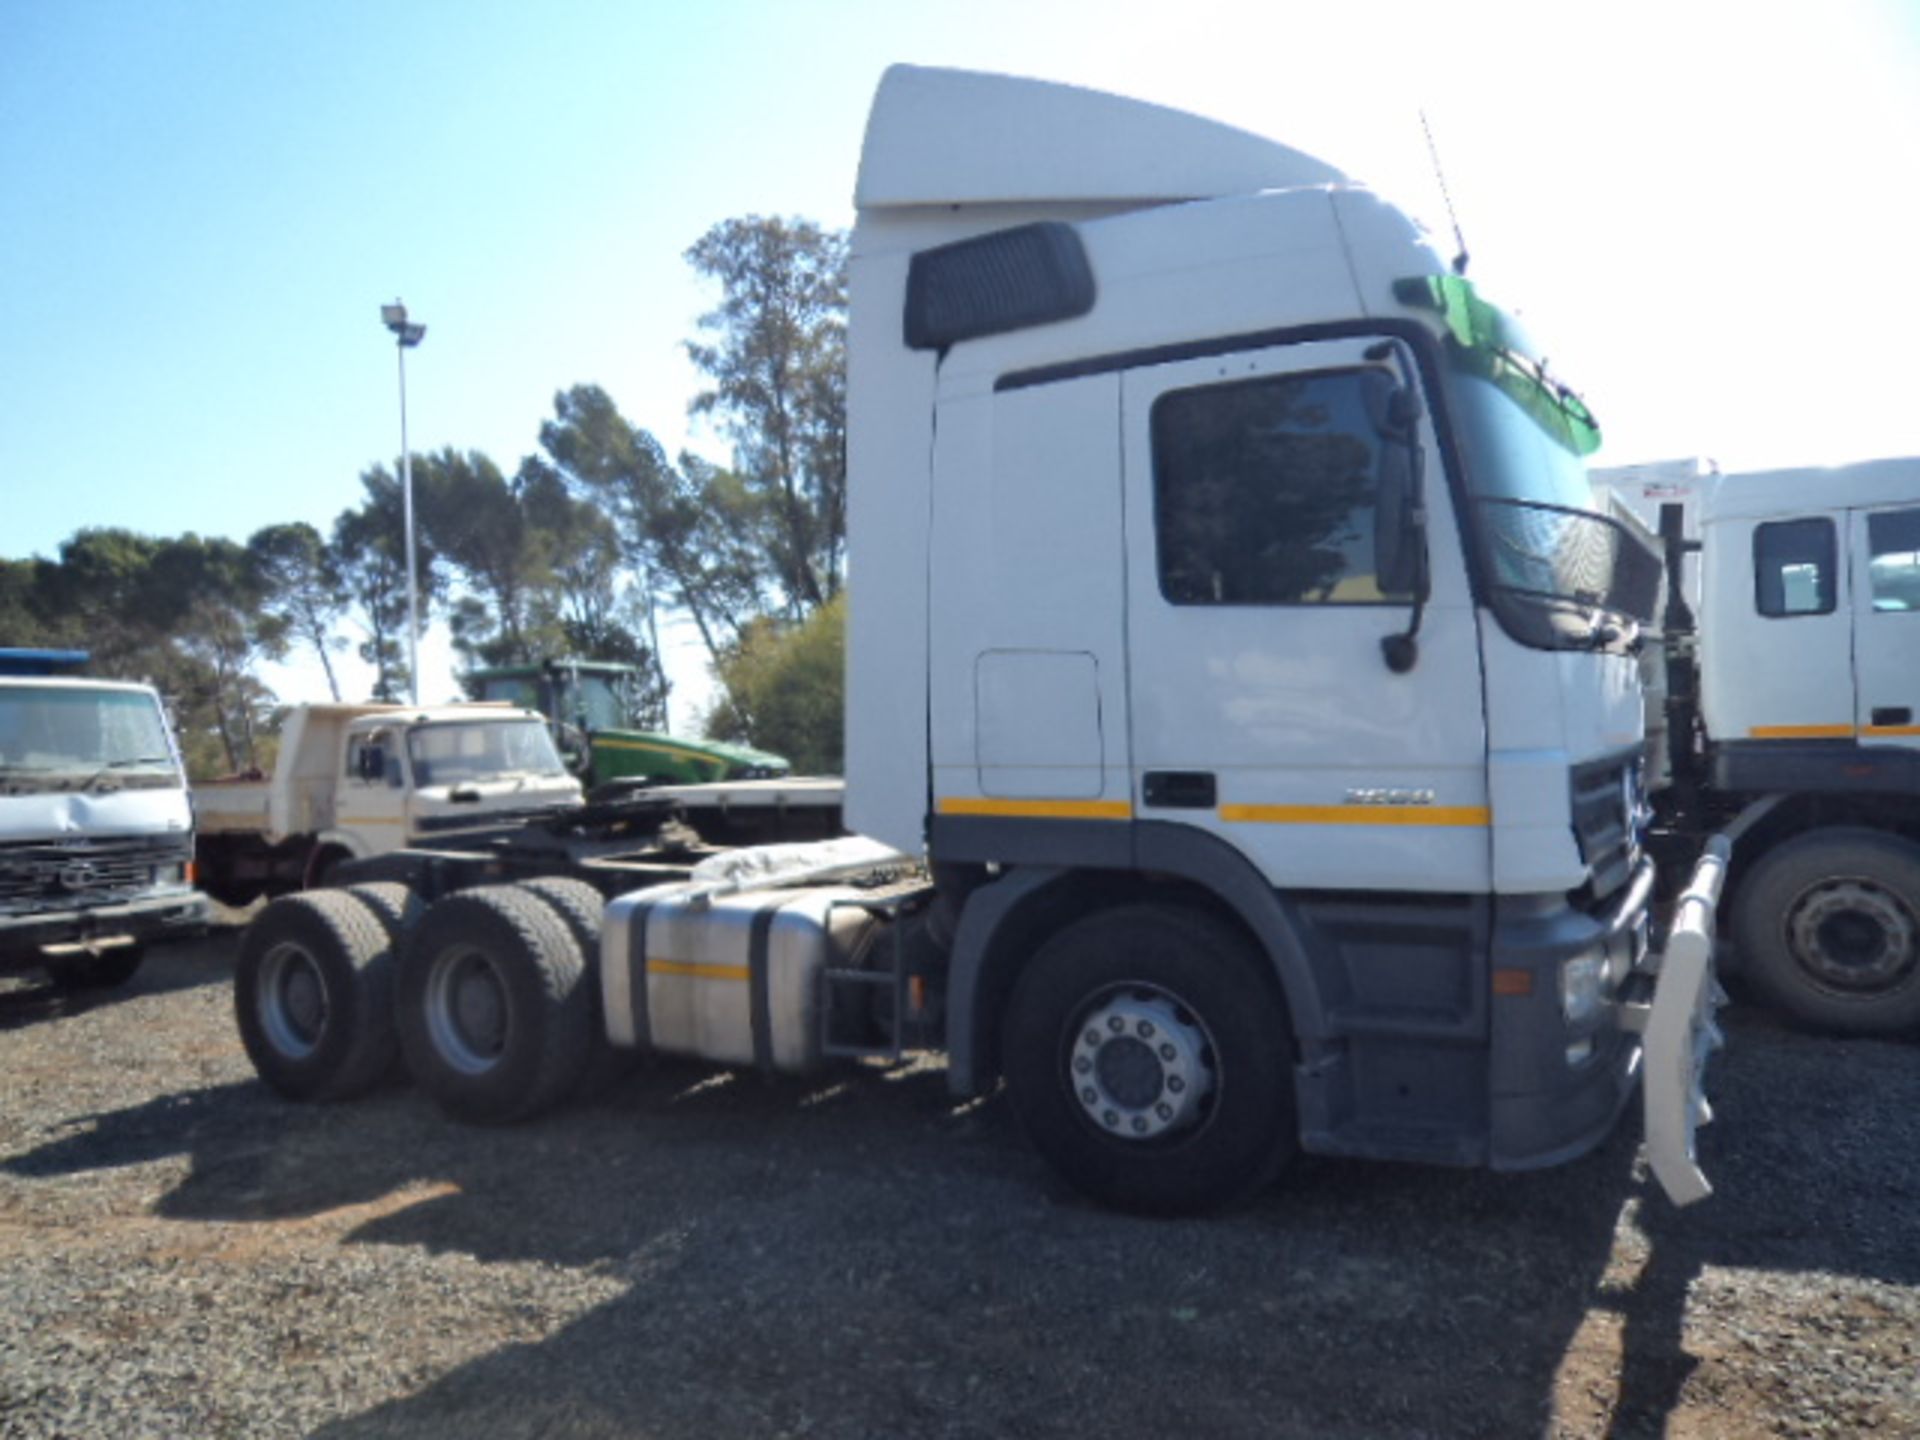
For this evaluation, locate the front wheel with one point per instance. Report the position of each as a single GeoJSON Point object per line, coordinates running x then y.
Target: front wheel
{"type": "Point", "coordinates": [1146, 1053]}
{"type": "Point", "coordinates": [1828, 926]}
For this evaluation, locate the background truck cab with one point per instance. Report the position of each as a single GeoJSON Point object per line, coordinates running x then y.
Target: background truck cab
{"type": "Point", "coordinates": [358, 780]}
{"type": "Point", "coordinates": [96, 835]}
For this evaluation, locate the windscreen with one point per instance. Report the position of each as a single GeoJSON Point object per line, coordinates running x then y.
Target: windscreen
{"type": "Point", "coordinates": [1554, 566]}
{"type": "Point", "coordinates": [61, 737]}
{"type": "Point", "coordinates": [599, 702]}
{"type": "Point", "coordinates": [480, 750]}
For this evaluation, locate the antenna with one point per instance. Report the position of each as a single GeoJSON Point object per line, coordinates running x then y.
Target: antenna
{"type": "Point", "coordinates": [1459, 240]}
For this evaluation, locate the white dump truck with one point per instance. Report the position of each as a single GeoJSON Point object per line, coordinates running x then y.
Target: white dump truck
{"type": "Point", "coordinates": [1243, 716]}
{"type": "Point", "coordinates": [96, 835]}
{"type": "Point", "coordinates": [1791, 654]}
{"type": "Point", "coordinates": [357, 780]}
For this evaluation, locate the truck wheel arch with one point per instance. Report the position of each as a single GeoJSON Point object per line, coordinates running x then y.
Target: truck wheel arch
{"type": "Point", "coordinates": [330, 847]}
{"type": "Point", "coordinates": [1006, 921]}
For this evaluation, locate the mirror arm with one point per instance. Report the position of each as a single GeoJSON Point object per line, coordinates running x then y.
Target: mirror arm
{"type": "Point", "coordinates": [1402, 651]}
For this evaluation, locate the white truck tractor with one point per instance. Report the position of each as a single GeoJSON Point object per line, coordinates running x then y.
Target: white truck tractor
{"type": "Point", "coordinates": [1231, 642]}
{"type": "Point", "coordinates": [96, 835]}
{"type": "Point", "coordinates": [1792, 665]}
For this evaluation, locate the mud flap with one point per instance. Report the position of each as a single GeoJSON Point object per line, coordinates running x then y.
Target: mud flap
{"type": "Point", "coordinates": [1678, 1033]}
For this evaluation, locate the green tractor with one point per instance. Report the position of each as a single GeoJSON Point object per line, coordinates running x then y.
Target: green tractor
{"type": "Point", "coordinates": [589, 703]}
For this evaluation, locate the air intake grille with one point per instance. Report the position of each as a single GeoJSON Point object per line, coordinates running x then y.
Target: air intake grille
{"type": "Point", "coordinates": [58, 875]}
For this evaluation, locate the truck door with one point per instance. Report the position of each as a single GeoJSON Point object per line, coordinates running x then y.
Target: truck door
{"type": "Point", "coordinates": [1886, 625]}
{"type": "Point", "coordinates": [1262, 708]}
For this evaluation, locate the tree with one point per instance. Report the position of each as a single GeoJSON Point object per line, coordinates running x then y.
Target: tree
{"type": "Point", "coordinates": [784, 689]}
{"type": "Point", "coordinates": [692, 537]}
{"type": "Point", "coordinates": [369, 552]}
{"type": "Point", "coordinates": [302, 588]}
{"type": "Point", "coordinates": [778, 367]}
{"type": "Point", "coordinates": [473, 519]}
{"type": "Point", "coordinates": [182, 613]}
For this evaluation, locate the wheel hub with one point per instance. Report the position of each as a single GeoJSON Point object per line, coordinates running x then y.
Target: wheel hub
{"type": "Point", "coordinates": [466, 1010]}
{"type": "Point", "coordinates": [1140, 1065]}
{"type": "Point", "coordinates": [1853, 935]}
{"type": "Point", "coordinates": [293, 1001]}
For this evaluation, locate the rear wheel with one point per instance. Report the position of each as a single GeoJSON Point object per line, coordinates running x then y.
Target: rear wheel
{"type": "Point", "coordinates": [313, 996]}
{"type": "Point", "coordinates": [495, 1014]}
{"type": "Point", "coordinates": [1828, 926]}
{"type": "Point", "coordinates": [579, 906]}
{"type": "Point", "coordinates": [397, 907]}
{"type": "Point", "coordinates": [1147, 1056]}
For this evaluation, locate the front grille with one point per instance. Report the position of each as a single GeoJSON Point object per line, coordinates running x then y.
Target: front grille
{"type": "Point", "coordinates": [58, 875]}
{"type": "Point", "coordinates": [1606, 820]}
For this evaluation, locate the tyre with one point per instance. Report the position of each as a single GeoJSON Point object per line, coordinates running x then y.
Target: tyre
{"type": "Point", "coordinates": [105, 971]}
{"type": "Point", "coordinates": [1828, 927]}
{"type": "Point", "coordinates": [397, 907]}
{"type": "Point", "coordinates": [494, 1009]}
{"type": "Point", "coordinates": [579, 907]}
{"type": "Point", "coordinates": [1147, 1056]}
{"type": "Point", "coordinates": [313, 995]}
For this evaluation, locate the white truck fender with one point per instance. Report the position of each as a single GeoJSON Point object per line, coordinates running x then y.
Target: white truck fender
{"type": "Point", "coordinates": [1679, 1034]}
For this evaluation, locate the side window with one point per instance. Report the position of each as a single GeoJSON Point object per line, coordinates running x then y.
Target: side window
{"type": "Point", "coordinates": [1893, 569]}
{"type": "Point", "coordinates": [1794, 567]}
{"type": "Point", "coordinates": [1264, 491]}
{"type": "Point", "coordinates": [358, 758]}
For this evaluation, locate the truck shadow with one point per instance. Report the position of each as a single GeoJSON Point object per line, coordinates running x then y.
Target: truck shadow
{"type": "Point", "coordinates": [860, 1256]}
{"type": "Point", "coordinates": [33, 998]}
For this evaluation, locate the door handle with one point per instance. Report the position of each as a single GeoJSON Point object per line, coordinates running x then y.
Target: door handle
{"type": "Point", "coordinates": [1892, 715]}
{"type": "Point", "coordinates": [1180, 789]}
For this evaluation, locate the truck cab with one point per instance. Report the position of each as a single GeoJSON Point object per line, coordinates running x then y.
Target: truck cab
{"type": "Point", "coordinates": [352, 781]}
{"type": "Point", "coordinates": [1807, 659]}
{"type": "Point", "coordinates": [1226, 565]}
{"type": "Point", "coordinates": [96, 835]}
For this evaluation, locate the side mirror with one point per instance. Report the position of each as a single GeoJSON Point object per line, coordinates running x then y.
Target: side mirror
{"type": "Point", "coordinates": [373, 763]}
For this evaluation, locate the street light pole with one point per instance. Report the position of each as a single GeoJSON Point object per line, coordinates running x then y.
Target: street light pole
{"type": "Point", "coordinates": [406, 336]}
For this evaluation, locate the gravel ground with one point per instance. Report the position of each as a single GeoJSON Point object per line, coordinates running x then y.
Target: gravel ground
{"type": "Point", "coordinates": [704, 1255]}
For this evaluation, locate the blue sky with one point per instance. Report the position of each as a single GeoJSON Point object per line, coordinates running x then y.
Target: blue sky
{"type": "Point", "coordinates": [1706, 212]}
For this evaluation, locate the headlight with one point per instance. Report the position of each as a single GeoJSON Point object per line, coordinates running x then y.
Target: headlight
{"type": "Point", "coordinates": [1580, 986]}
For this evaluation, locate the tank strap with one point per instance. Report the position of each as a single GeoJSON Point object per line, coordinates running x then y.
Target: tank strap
{"type": "Point", "coordinates": [637, 980]}
{"type": "Point", "coordinates": [759, 944]}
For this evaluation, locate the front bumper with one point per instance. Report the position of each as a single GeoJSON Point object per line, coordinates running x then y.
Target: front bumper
{"type": "Point", "coordinates": [1656, 1030]}
{"type": "Point", "coordinates": [176, 912]}
{"type": "Point", "coordinates": [1546, 1106]}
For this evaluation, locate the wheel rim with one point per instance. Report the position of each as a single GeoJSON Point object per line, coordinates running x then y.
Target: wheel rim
{"type": "Point", "coordinates": [468, 1014]}
{"type": "Point", "coordinates": [294, 1004]}
{"type": "Point", "coordinates": [1141, 1065]}
{"type": "Point", "coordinates": [1852, 934]}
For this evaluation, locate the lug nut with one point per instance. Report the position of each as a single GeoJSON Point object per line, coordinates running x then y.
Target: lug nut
{"type": "Point", "coordinates": [1081, 1064]}
{"type": "Point", "coordinates": [1163, 1110]}
{"type": "Point", "coordinates": [1092, 1037]}
{"type": "Point", "coordinates": [1139, 1125]}
{"type": "Point", "coordinates": [1090, 1096]}
{"type": "Point", "coordinates": [1113, 1120]}
{"type": "Point", "coordinates": [1146, 1029]}
{"type": "Point", "coordinates": [1167, 1053]}
{"type": "Point", "coordinates": [1116, 1024]}
{"type": "Point", "coordinates": [1176, 1084]}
